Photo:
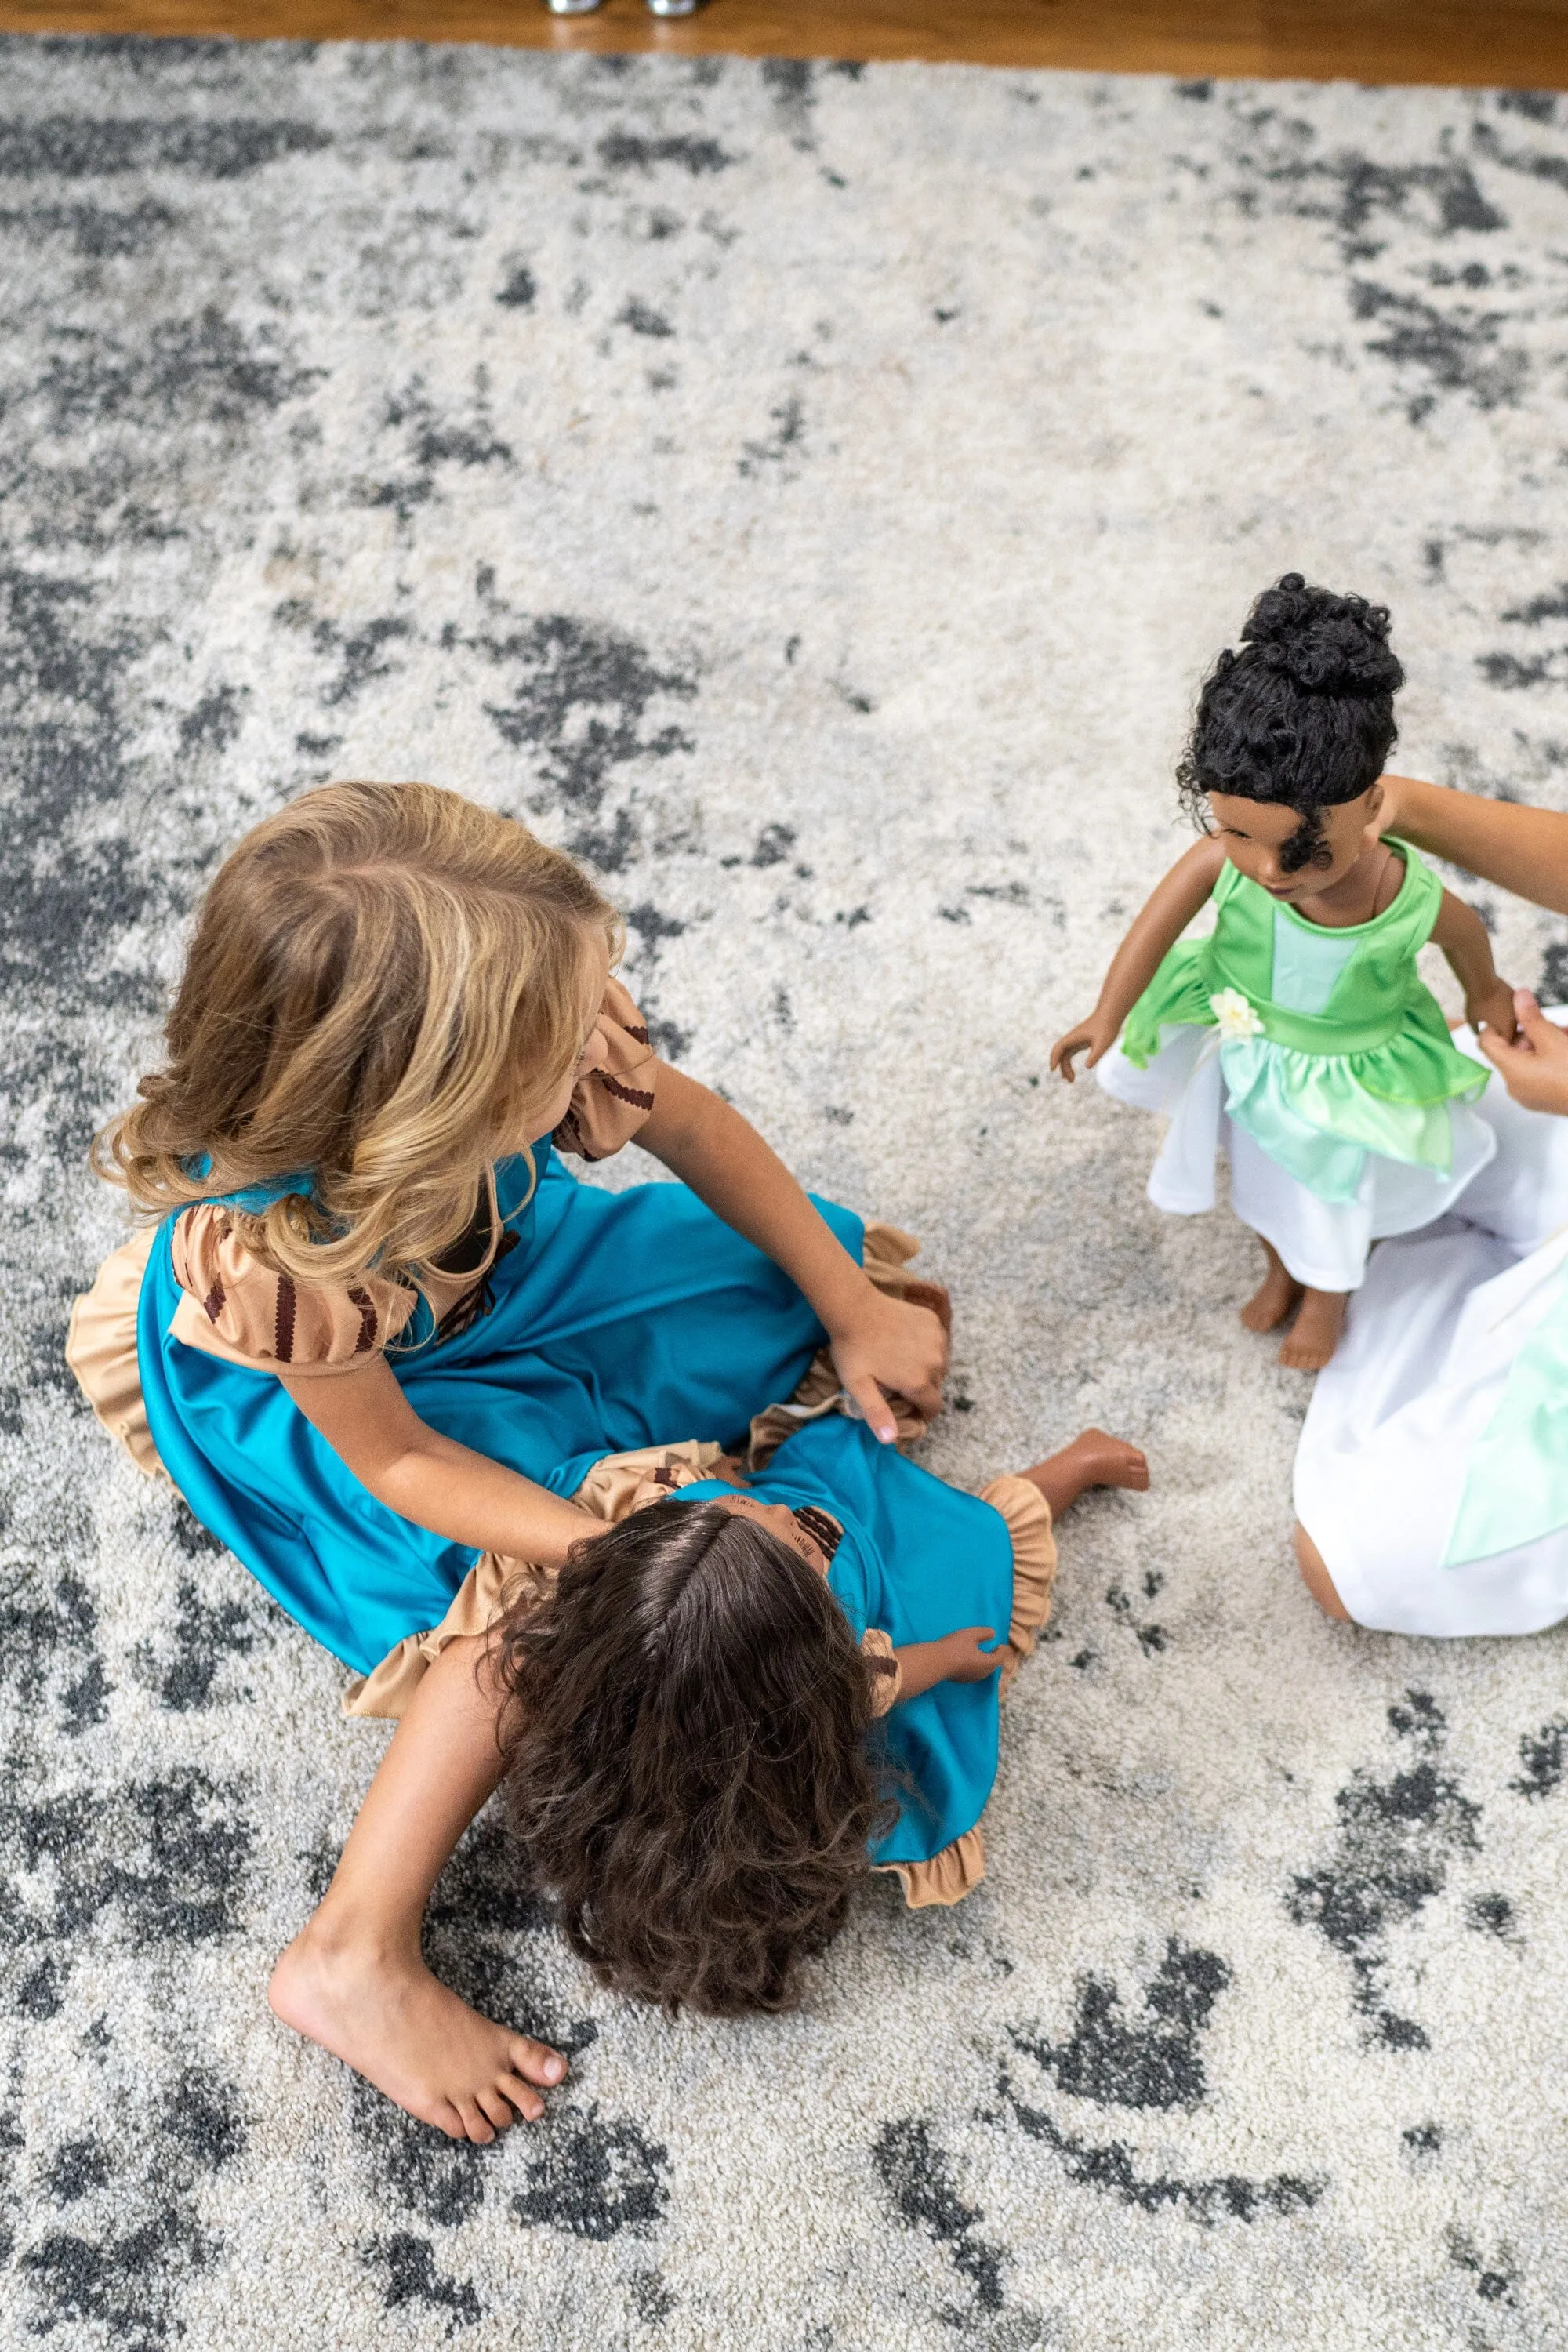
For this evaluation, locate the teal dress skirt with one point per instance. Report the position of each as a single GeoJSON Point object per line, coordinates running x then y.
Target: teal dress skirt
{"type": "Point", "coordinates": [612, 1322]}
{"type": "Point", "coordinates": [919, 1560]}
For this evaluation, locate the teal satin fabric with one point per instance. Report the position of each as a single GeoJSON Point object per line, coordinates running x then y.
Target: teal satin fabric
{"type": "Point", "coordinates": [920, 1559]}
{"type": "Point", "coordinates": [619, 1320]}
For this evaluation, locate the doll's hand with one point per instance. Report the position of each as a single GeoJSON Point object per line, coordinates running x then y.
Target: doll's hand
{"type": "Point", "coordinates": [891, 1345]}
{"type": "Point", "coordinates": [1096, 1034]}
{"type": "Point", "coordinates": [1534, 1066]}
{"type": "Point", "coordinates": [1493, 1010]}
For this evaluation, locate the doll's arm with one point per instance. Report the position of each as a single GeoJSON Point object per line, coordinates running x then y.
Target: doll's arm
{"type": "Point", "coordinates": [370, 1425]}
{"type": "Point", "coordinates": [354, 1979]}
{"type": "Point", "coordinates": [956, 1658]}
{"type": "Point", "coordinates": [878, 1343]}
{"type": "Point", "coordinates": [1462, 937]}
{"type": "Point", "coordinates": [1155, 930]}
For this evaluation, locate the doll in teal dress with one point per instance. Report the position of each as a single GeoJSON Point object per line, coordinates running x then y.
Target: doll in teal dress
{"type": "Point", "coordinates": [1298, 1035]}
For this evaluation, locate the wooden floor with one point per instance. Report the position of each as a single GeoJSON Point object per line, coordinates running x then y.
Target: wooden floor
{"type": "Point", "coordinates": [1518, 44]}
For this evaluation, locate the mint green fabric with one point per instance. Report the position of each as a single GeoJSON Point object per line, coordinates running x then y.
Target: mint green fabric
{"type": "Point", "coordinates": [1372, 1069]}
{"type": "Point", "coordinates": [1516, 1481]}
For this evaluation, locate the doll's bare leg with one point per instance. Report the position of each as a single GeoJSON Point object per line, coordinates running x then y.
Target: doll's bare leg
{"type": "Point", "coordinates": [1317, 1580]}
{"type": "Point", "coordinates": [1316, 1331]}
{"type": "Point", "coordinates": [1278, 1292]}
{"type": "Point", "coordinates": [1092, 1459]}
{"type": "Point", "coordinates": [354, 1979]}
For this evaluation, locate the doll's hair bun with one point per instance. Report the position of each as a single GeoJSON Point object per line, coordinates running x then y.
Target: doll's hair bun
{"type": "Point", "coordinates": [1325, 643]}
{"type": "Point", "coordinates": [1300, 715]}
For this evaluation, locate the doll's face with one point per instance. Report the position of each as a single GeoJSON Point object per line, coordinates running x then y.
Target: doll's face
{"type": "Point", "coordinates": [780, 1521]}
{"type": "Point", "coordinates": [1255, 831]}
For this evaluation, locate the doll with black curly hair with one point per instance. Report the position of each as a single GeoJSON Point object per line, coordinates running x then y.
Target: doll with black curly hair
{"type": "Point", "coordinates": [1297, 1036]}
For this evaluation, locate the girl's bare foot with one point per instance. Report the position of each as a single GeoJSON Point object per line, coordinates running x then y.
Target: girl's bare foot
{"type": "Point", "coordinates": [1272, 1301]}
{"type": "Point", "coordinates": [388, 2018]}
{"type": "Point", "coordinates": [1093, 1459]}
{"type": "Point", "coordinates": [1317, 1330]}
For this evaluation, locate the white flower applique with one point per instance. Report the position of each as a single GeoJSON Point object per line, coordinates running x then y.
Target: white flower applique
{"type": "Point", "coordinates": [1237, 1019]}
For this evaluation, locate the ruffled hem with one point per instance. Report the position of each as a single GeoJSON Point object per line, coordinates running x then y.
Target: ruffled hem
{"type": "Point", "coordinates": [947, 1877]}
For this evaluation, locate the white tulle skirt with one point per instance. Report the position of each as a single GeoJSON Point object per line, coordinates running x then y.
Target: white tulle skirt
{"type": "Point", "coordinates": [1418, 1377]}
{"type": "Point", "coordinates": [1323, 1244]}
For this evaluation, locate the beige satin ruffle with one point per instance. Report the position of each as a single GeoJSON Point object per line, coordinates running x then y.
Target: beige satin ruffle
{"type": "Point", "coordinates": [100, 1348]}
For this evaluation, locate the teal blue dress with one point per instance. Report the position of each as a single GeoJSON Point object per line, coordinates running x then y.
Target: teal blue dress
{"type": "Point", "coordinates": [612, 1321]}
{"type": "Point", "coordinates": [919, 1560]}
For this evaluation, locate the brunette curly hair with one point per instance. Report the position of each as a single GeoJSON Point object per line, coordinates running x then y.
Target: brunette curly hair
{"type": "Point", "coordinates": [1303, 716]}
{"type": "Point", "coordinates": [687, 1758]}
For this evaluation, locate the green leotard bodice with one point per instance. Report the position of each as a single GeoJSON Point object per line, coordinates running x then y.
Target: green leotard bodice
{"type": "Point", "coordinates": [1331, 1044]}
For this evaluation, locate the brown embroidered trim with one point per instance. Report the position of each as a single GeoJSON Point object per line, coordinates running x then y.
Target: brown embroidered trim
{"type": "Point", "coordinates": [633, 1029]}
{"type": "Point", "coordinates": [824, 1533]}
{"type": "Point", "coordinates": [369, 1321]}
{"type": "Point", "coordinates": [623, 1094]}
{"type": "Point", "coordinates": [877, 1662]}
{"type": "Point", "coordinates": [212, 1305]}
{"type": "Point", "coordinates": [283, 1327]}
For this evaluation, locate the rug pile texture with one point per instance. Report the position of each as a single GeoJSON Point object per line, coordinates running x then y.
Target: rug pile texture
{"type": "Point", "coordinates": [810, 494]}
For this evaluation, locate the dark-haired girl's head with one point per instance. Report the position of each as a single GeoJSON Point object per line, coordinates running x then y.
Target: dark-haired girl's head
{"type": "Point", "coordinates": [1299, 720]}
{"type": "Point", "coordinates": [687, 1756]}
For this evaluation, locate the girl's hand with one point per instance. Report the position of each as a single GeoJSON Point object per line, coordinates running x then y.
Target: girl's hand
{"type": "Point", "coordinates": [1493, 1011]}
{"type": "Point", "coordinates": [1534, 1066]}
{"type": "Point", "coordinates": [890, 1345]}
{"type": "Point", "coordinates": [1098, 1033]}
{"type": "Point", "coordinates": [956, 1658]}
{"type": "Point", "coordinates": [963, 1659]}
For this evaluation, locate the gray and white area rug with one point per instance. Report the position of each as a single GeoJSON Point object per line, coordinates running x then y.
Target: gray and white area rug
{"type": "Point", "coordinates": [812, 495]}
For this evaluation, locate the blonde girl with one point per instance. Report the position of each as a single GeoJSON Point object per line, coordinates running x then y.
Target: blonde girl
{"type": "Point", "coordinates": [377, 1334]}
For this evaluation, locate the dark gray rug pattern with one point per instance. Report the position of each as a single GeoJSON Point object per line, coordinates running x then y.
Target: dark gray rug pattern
{"type": "Point", "coordinates": [811, 494]}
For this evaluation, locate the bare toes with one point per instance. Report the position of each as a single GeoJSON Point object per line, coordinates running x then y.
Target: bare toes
{"type": "Point", "coordinates": [523, 2097]}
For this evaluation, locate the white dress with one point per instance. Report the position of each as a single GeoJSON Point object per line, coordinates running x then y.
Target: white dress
{"type": "Point", "coordinates": [1432, 1473]}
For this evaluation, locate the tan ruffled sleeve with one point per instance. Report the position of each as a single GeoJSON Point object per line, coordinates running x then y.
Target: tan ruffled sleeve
{"type": "Point", "coordinates": [877, 1649]}
{"type": "Point", "coordinates": [609, 1105]}
{"type": "Point", "coordinates": [235, 1306]}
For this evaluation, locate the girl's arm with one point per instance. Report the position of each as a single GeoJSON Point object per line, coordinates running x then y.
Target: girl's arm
{"type": "Point", "coordinates": [1462, 935]}
{"type": "Point", "coordinates": [370, 1425]}
{"type": "Point", "coordinates": [956, 1658]}
{"type": "Point", "coordinates": [878, 1343]}
{"type": "Point", "coordinates": [1520, 849]}
{"type": "Point", "coordinates": [354, 1979]}
{"type": "Point", "coordinates": [1155, 933]}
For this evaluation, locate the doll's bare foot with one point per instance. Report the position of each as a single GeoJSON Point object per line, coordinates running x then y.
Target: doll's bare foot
{"type": "Point", "coordinates": [388, 2018]}
{"type": "Point", "coordinates": [1272, 1301]}
{"type": "Point", "coordinates": [1317, 1330]}
{"type": "Point", "coordinates": [1093, 1459]}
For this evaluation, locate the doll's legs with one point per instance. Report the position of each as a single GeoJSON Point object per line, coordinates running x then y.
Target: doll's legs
{"type": "Point", "coordinates": [1093, 1459]}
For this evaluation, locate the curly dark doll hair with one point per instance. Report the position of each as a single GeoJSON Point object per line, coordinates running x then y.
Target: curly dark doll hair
{"type": "Point", "coordinates": [1303, 716]}
{"type": "Point", "coordinates": [687, 1761]}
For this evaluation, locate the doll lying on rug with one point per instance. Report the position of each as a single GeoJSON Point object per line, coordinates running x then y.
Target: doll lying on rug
{"type": "Point", "coordinates": [1298, 1034]}
{"type": "Point", "coordinates": [710, 1722]}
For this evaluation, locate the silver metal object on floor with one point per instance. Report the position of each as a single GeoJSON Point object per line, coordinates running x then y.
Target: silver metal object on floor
{"type": "Point", "coordinates": [572, 7]}
{"type": "Point", "coordinates": [672, 7]}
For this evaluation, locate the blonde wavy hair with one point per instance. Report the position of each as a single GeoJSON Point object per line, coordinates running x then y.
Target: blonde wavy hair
{"type": "Point", "coordinates": [385, 983]}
